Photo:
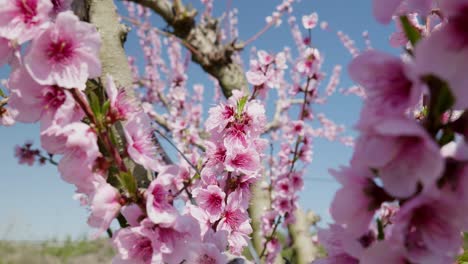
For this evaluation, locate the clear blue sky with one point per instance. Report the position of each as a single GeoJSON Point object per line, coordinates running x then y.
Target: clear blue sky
{"type": "Point", "coordinates": [36, 204]}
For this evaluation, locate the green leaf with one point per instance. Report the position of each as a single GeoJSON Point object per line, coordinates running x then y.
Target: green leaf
{"type": "Point", "coordinates": [128, 183]}
{"type": "Point", "coordinates": [411, 32]}
{"type": "Point", "coordinates": [94, 103]}
{"type": "Point", "coordinates": [441, 98]}
{"type": "Point", "coordinates": [380, 230]}
{"type": "Point", "coordinates": [105, 107]}
{"type": "Point", "coordinates": [447, 136]}
{"type": "Point", "coordinates": [2, 94]}
{"type": "Point", "coordinates": [240, 105]}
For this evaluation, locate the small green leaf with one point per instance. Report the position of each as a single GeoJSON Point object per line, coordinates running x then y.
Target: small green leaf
{"type": "Point", "coordinates": [128, 183]}
{"type": "Point", "coordinates": [105, 107]}
{"type": "Point", "coordinates": [411, 32]}
{"type": "Point", "coordinates": [94, 103]}
{"type": "Point", "coordinates": [2, 94]}
{"type": "Point", "coordinates": [447, 136]}
{"type": "Point", "coordinates": [240, 105]}
{"type": "Point", "coordinates": [380, 230]}
{"type": "Point", "coordinates": [441, 98]}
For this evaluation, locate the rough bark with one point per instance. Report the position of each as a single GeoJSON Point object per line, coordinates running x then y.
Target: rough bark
{"type": "Point", "coordinates": [304, 250]}
{"type": "Point", "coordinates": [260, 202]}
{"type": "Point", "coordinates": [103, 14]}
{"type": "Point", "coordinates": [203, 40]}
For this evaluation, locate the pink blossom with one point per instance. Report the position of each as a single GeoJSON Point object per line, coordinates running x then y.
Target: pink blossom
{"type": "Point", "coordinates": [121, 108]}
{"type": "Point", "coordinates": [310, 21]}
{"type": "Point", "coordinates": [219, 117]}
{"type": "Point", "coordinates": [216, 154]}
{"type": "Point", "coordinates": [333, 240]}
{"type": "Point", "coordinates": [172, 177]}
{"type": "Point", "coordinates": [7, 116]}
{"type": "Point", "coordinates": [133, 214]}
{"type": "Point", "coordinates": [23, 20]}
{"type": "Point", "coordinates": [243, 160]}
{"type": "Point", "coordinates": [403, 153]}
{"type": "Point", "coordinates": [32, 101]}
{"type": "Point", "coordinates": [236, 222]}
{"type": "Point", "coordinates": [309, 63]}
{"type": "Point", "coordinates": [384, 252]}
{"type": "Point", "coordinates": [357, 185]}
{"type": "Point", "coordinates": [205, 254]}
{"type": "Point", "coordinates": [140, 146]}
{"type": "Point", "coordinates": [429, 228]}
{"type": "Point", "coordinates": [158, 205]}
{"type": "Point", "coordinates": [385, 9]}
{"type": "Point", "coordinates": [171, 242]}
{"type": "Point", "coordinates": [255, 77]}
{"type": "Point", "coordinates": [383, 77]}
{"type": "Point", "coordinates": [445, 54]}
{"type": "Point", "coordinates": [454, 8]}
{"type": "Point", "coordinates": [70, 48]}
{"type": "Point", "coordinates": [211, 199]}
{"type": "Point", "coordinates": [255, 117]}
{"type": "Point", "coordinates": [78, 144]}
{"type": "Point", "coordinates": [133, 246]}
{"type": "Point", "coordinates": [104, 207]}
{"type": "Point", "coordinates": [201, 216]}
{"type": "Point", "coordinates": [25, 154]}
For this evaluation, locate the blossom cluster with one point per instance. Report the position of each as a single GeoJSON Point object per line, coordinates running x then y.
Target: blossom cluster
{"type": "Point", "coordinates": [403, 196]}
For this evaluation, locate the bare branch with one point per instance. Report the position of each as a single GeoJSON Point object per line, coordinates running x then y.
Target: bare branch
{"type": "Point", "coordinates": [212, 55]}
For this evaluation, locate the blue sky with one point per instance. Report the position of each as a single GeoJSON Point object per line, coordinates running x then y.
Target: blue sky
{"type": "Point", "coordinates": [36, 204]}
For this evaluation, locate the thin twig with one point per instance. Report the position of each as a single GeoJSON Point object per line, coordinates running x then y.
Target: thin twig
{"type": "Point", "coordinates": [270, 237]}
{"type": "Point", "coordinates": [179, 151]}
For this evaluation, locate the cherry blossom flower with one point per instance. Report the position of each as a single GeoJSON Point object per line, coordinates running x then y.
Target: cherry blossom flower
{"type": "Point", "coordinates": [104, 207]}
{"type": "Point", "coordinates": [32, 101]}
{"type": "Point", "coordinates": [367, 197]}
{"type": "Point", "coordinates": [389, 91]}
{"type": "Point", "coordinates": [121, 108]}
{"type": "Point", "coordinates": [384, 252]}
{"type": "Point", "coordinates": [384, 9]}
{"type": "Point", "coordinates": [25, 154]}
{"type": "Point", "coordinates": [236, 222]}
{"type": "Point", "coordinates": [429, 228]}
{"type": "Point", "coordinates": [205, 254]}
{"type": "Point", "coordinates": [310, 21]}
{"type": "Point", "coordinates": [333, 241]}
{"type": "Point", "coordinates": [71, 49]}
{"type": "Point", "coordinates": [243, 160]}
{"type": "Point", "coordinates": [140, 146]}
{"type": "Point", "coordinates": [445, 54]}
{"type": "Point", "coordinates": [78, 144]}
{"type": "Point", "coordinates": [211, 200]}
{"type": "Point", "coordinates": [171, 242]}
{"type": "Point", "coordinates": [133, 214]}
{"type": "Point", "coordinates": [158, 205]}
{"type": "Point", "coordinates": [219, 117]}
{"type": "Point", "coordinates": [23, 20]}
{"type": "Point", "coordinates": [133, 246]}
{"type": "Point", "coordinates": [402, 152]}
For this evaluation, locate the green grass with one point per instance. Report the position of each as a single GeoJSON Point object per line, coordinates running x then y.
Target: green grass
{"type": "Point", "coordinates": [55, 252]}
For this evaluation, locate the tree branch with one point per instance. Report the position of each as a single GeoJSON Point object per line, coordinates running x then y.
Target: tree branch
{"type": "Point", "coordinates": [305, 250]}
{"type": "Point", "coordinates": [212, 55]}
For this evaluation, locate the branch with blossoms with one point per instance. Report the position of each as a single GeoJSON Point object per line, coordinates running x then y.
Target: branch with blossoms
{"type": "Point", "coordinates": [407, 176]}
{"type": "Point", "coordinates": [193, 210]}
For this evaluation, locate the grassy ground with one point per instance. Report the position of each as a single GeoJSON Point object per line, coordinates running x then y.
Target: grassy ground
{"type": "Point", "coordinates": [52, 252]}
